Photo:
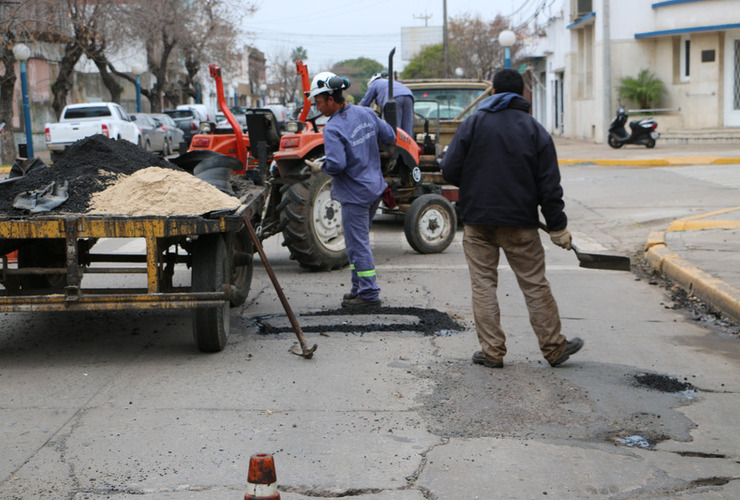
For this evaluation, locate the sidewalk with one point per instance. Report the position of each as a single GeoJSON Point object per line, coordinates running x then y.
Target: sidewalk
{"type": "Point", "coordinates": [699, 253]}
{"type": "Point", "coordinates": [573, 151]}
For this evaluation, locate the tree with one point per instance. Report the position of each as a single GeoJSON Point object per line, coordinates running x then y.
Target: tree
{"type": "Point", "coordinates": [472, 46]}
{"type": "Point", "coordinates": [429, 63]}
{"type": "Point", "coordinates": [284, 77]}
{"type": "Point", "coordinates": [201, 32]}
{"type": "Point", "coordinates": [359, 72]}
{"type": "Point", "coordinates": [644, 90]}
{"type": "Point", "coordinates": [15, 27]}
{"type": "Point", "coordinates": [299, 54]}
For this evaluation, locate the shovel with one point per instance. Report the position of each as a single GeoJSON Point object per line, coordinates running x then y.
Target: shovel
{"type": "Point", "coordinates": [598, 261]}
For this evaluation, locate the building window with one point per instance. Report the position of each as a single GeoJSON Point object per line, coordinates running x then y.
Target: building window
{"type": "Point", "coordinates": [685, 59]}
{"type": "Point", "coordinates": [579, 8]}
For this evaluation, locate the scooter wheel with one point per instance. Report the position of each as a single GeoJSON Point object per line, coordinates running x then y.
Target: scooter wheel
{"type": "Point", "coordinates": [613, 142]}
{"type": "Point", "coordinates": [650, 144]}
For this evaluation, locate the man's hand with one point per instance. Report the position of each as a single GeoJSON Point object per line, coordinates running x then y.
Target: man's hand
{"type": "Point", "coordinates": [314, 165]}
{"type": "Point", "coordinates": [561, 238]}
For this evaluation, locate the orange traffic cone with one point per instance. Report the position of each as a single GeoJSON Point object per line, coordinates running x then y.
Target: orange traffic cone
{"type": "Point", "coordinates": [261, 479]}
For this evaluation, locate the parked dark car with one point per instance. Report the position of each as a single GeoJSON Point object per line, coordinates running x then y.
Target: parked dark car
{"type": "Point", "coordinates": [188, 120]}
{"type": "Point", "coordinates": [172, 133]}
{"type": "Point", "coordinates": [152, 136]}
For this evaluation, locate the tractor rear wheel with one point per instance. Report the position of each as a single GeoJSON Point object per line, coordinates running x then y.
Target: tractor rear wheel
{"type": "Point", "coordinates": [430, 224]}
{"type": "Point", "coordinates": [312, 224]}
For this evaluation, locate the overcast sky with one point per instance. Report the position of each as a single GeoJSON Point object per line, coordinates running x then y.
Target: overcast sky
{"type": "Point", "coordinates": [347, 29]}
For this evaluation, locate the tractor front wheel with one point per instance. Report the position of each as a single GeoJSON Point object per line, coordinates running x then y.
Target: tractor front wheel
{"type": "Point", "coordinates": [312, 224]}
{"type": "Point", "coordinates": [430, 224]}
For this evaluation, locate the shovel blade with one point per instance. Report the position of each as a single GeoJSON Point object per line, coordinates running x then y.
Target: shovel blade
{"type": "Point", "coordinates": [600, 261]}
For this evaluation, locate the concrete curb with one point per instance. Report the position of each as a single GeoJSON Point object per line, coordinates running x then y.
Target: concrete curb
{"type": "Point", "coordinates": [652, 162]}
{"type": "Point", "coordinates": [696, 282]}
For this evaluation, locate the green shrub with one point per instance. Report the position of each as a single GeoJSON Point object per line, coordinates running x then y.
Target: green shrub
{"type": "Point", "coordinates": [644, 90]}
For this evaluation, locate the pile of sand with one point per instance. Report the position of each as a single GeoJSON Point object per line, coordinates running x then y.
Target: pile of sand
{"type": "Point", "coordinates": [160, 192]}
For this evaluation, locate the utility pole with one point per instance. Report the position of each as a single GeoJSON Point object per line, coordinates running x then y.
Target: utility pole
{"type": "Point", "coordinates": [444, 39]}
{"type": "Point", "coordinates": [607, 73]}
{"type": "Point", "coordinates": [425, 16]}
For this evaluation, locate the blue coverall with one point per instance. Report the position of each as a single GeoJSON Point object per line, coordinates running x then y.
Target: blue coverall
{"type": "Point", "coordinates": [378, 91]}
{"type": "Point", "coordinates": [353, 160]}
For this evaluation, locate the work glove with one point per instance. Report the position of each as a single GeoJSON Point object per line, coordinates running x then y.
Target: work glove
{"type": "Point", "coordinates": [561, 238]}
{"type": "Point", "coordinates": [315, 165]}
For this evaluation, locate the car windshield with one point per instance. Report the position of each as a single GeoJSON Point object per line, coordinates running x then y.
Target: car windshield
{"type": "Point", "coordinates": [445, 103]}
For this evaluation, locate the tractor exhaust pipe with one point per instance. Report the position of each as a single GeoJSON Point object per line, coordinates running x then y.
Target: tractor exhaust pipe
{"type": "Point", "coordinates": [389, 110]}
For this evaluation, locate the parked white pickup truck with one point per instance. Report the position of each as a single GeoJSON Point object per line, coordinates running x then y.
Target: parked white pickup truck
{"type": "Point", "coordinates": [83, 120]}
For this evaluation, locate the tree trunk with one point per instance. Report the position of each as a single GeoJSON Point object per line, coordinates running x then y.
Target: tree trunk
{"type": "Point", "coordinates": [7, 84]}
{"type": "Point", "coordinates": [63, 84]}
{"type": "Point", "coordinates": [110, 82]}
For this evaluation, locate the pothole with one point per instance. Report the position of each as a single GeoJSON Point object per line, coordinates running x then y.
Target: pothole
{"type": "Point", "coordinates": [365, 320]}
{"type": "Point", "coordinates": [663, 383]}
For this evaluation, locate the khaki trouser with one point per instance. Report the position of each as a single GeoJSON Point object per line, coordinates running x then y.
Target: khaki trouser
{"type": "Point", "coordinates": [526, 257]}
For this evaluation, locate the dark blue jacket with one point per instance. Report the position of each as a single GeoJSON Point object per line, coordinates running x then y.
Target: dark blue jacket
{"type": "Point", "coordinates": [506, 166]}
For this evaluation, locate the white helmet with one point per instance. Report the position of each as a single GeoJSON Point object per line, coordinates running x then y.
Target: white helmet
{"type": "Point", "coordinates": [382, 74]}
{"type": "Point", "coordinates": [320, 84]}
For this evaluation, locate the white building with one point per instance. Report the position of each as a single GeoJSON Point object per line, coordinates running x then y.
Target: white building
{"type": "Point", "coordinates": [693, 46]}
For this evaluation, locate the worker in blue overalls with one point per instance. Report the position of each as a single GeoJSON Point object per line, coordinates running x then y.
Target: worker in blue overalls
{"type": "Point", "coordinates": [377, 90]}
{"type": "Point", "coordinates": [353, 160]}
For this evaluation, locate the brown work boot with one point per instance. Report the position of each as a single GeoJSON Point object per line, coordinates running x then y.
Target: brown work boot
{"type": "Point", "coordinates": [349, 295]}
{"type": "Point", "coordinates": [480, 359]}
{"type": "Point", "coordinates": [571, 347]}
{"type": "Point", "coordinates": [360, 302]}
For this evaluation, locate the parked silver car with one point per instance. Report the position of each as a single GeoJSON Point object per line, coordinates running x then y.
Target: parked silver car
{"type": "Point", "coordinates": [152, 136]}
{"type": "Point", "coordinates": [172, 133]}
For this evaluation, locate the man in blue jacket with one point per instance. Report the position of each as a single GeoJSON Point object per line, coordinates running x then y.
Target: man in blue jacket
{"type": "Point", "coordinates": [353, 160]}
{"type": "Point", "coordinates": [377, 90]}
{"type": "Point", "coordinates": [505, 164]}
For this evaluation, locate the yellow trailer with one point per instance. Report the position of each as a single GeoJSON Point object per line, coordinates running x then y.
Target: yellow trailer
{"type": "Point", "coordinates": [55, 252]}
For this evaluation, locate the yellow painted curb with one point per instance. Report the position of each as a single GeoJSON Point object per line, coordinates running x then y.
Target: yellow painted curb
{"type": "Point", "coordinates": [656, 255]}
{"type": "Point", "coordinates": [673, 161]}
{"type": "Point", "coordinates": [655, 238]}
{"type": "Point", "coordinates": [706, 287]}
{"type": "Point", "coordinates": [696, 225]}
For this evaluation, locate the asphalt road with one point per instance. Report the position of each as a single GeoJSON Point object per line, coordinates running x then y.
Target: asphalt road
{"type": "Point", "coordinates": [122, 406]}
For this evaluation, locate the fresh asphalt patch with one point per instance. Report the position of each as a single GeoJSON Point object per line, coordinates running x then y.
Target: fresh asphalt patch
{"type": "Point", "coordinates": [361, 320]}
{"type": "Point", "coordinates": [586, 402]}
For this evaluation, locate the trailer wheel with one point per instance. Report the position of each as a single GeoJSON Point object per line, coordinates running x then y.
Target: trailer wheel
{"type": "Point", "coordinates": [210, 271]}
{"type": "Point", "coordinates": [430, 224]}
{"type": "Point", "coordinates": [312, 224]}
{"type": "Point", "coordinates": [43, 253]}
{"type": "Point", "coordinates": [242, 267]}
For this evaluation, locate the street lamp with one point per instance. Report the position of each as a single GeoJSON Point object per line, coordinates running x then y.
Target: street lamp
{"type": "Point", "coordinates": [263, 88]}
{"type": "Point", "coordinates": [459, 72]}
{"type": "Point", "coordinates": [21, 52]}
{"type": "Point", "coordinates": [138, 70]}
{"type": "Point", "coordinates": [507, 38]}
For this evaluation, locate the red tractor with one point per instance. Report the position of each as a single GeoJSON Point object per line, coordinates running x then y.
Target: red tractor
{"type": "Point", "coordinates": [299, 203]}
